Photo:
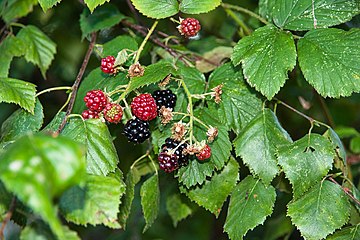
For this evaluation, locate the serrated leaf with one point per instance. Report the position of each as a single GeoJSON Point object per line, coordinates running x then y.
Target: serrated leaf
{"type": "Point", "coordinates": [19, 92]}
{"type": "Point", "coordinates": [40, 49]}
{"type": "Point", "coordinates": [114, 46]}
{"type": "Point", "coordinates": [326, 205]}
{"type": "Point", "coordinates": [92, 4]}
{"type": "Point", "coordinates": [46, 4]}
{"type": "Point", "coordinates": [266, 7]}
{"type": "Point", "coordinates": [257, 144]}
{"type": "Point", "coordinates": [21, 123]}
{"type": "Point", "coordinates": [306, 161]}
{"type": "Point", "coordinates": [38, 168]}
{"type": "Point", "coordinates": [153, 73]}
{"type": "Point", "coordinates": [103, 17]}
{"type": "Point", "coordinates": [177, 209]}
{"type": "Point", "coordinates": [96, 79]}
{"type": "Point", "coordinates": [55, 123]}
{"type": "Point", "coordinates": [266, 56]}
{"type": "Point", "coordinates": [250, 203]}
{"type": "Point", "coordinates": [9, 48]}
{"type": "Point", "coordinates": [150, 200]}
{"type": "Point", "coordinates": [195, 173]}
{"type": "Point", "coordinates": [97, 202]}
{"type": "Point", "coordinates": [238, 105]}
{"type": "Point", "coordinates": [214, 192]}
{"type": "Point", "coordinates": [17, 9]}
{"type": "Point", "coordinates": [298, 15]}
{"type": "Point", "coordinates": [330, 60]}
{"type": "Point", "coordinates": [349, 233]}
{"type": "Point", "coordinates": [157, 8]}
{"type": "Point", "coordinates": [40, 231]}
{"type": "Point", "coordinates": [198, 6]}
{"type": "Point", "coordinates": [101, 156]}
{"type": "Point", "coordinates": [193, 78]}
{"type": "Point", "coordinates": [132, 178]}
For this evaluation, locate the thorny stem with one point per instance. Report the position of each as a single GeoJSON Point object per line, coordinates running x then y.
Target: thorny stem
{"type": "Point", "coordinates": [244, 10]}
{"type": "Point", "coordinates": [238, 21]}
{"type": "Point", "coordinates": [190, 109]}
{"type": "Point", "coordinates": [53, 89]}
{"type": "Point", "coordinates": [345, 191]}
{"type": "Point", "coordinates": [77, 81]}
{"type": "Point", "coordinates": [7, 217]}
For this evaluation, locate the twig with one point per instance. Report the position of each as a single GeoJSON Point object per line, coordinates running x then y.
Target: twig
{"type": "Point", "coordinates": [345, 191]}
{"type": "Point", "coordinates": [77, 81]}
{"type": "Point", "coordinates": [7, 217]}
{"type": "Point", "coordinates": [133, 10]}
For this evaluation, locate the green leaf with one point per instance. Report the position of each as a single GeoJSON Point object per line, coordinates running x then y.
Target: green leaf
{"type": "Point", "coordinates": [97, 202]}
{"type": "Point", "coordinates": [306, 161]}
{"type": "Point", "coordinates": [250, 203]}
{"type": "Point", "coordinates": [214, 192]}
{"type": "Point", "coordinates": [103, 17]}
{"type": "Point", "coordinates": [193, 78]}
{"type": "Point", "coordinates": [46, 4]}
{"type": "Point", "coordinates": [150, 200]}
{"type": "Point", "coordinates": [9, 48]}
{"type": "Point", "coordinates": [132, 178]}
{"type": "Point", "coordinates": [38, 168]}
{"type": "Point", "coordinates": [19, 92]}
{"type": "Point", "coordinates": [157, 8]}
{"type": "Point", "coordinates": [266, 7]}
{"type": "Point", "coordinates": [337, 144]}
{"type": "Point", "coordinates": [217, 56]}
{"type": "Point", "coordinates": [17, 9]}
{"type": "Point", "coordinates": [326, 205]}
{"type": "Point", "coordinates": [346, 132]}
{"type": "Point", "coordinates": [39, 231]}
{"type": "Point", "coordinates": [5, 200]}
{"type": "Point", "coordinates": [349, 233]}
{"type": "Point", "coordinates": [96, 79]}
{"type": "Point", "coordinates": [55, 123]}
{"type": "Point", "coordinates": [39, 50]}
{"type": "Point", "coordinates": [355, 145]}
{"type": "Point", "coordinates": [21, 123]}
{"type": "Point", "coordinates": [92, 4]}
{"type": "Point", "coordinates": [114, 46]}
{"type": "Point", "coordinates": [298, 15]}
{"type": "Point", "coordinates": [153, 74]}
{"type": "Point", "coordinates": [330, 60]}
{"type": "Point", "coordinates": [266, 56]}
{"type": "Point", "coordinates": [101, 156]}
{"type": "Point", "coordinates": [177, 209]}
{"type": "Point", "coordinates": [238, 105]}
{"type": "Point", "coordinates": [198, 6]}
{"type": "Point", "coordinates": [257, 144]}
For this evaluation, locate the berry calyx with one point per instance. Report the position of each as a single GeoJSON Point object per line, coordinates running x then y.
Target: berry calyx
{"type": "Point", "coordinates": [95, 100]}
{"type": "Point", "coordinates": [107, 65]}
{"type": "Point", "coordinates": [113, 112]}
{"type": "Point", "coordinates": [144, 107]}
{"type": "Point", "coordinates": [87, 114]}
{"type": "Point", "coordinates": [170, 145]}
{"type": "Point", "coordinates": [204, 153]}
{"type": "Point", "coordinates": [189, 27]}
{"type": "Point", "coordinates": [165, 98]}
{"type": "Point", "coordinates": [136, 130]}
{"type": "Point", "coordinates": [168, 162]}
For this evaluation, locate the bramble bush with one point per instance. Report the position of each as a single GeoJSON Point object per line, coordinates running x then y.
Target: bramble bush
{"type": "Point", "coordinates": [242, 109]}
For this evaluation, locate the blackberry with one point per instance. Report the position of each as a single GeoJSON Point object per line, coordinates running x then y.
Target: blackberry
{"type": "Point", "coordinates": [137, 131]}
{"type": "Point", "coordinates": [168, 162]}
{"type": "Point", "coordinates": [164, 98]}
{"type": "Point", "coordinates": [170, 144]}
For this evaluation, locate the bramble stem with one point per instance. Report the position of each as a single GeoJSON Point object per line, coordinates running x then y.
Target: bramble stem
{"type": "Point", "coordinates": [238, 21]}
{"type": "Point", "coordinates": [141, 48]}
{"type": "Point", "coordinates": [190, 109]}
{"type": "Point", "coordinates": [244, 10]}
{"type": "Point", "coordinates": [53, 89]}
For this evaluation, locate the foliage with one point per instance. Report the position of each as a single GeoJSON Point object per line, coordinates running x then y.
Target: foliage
{"type": "Point", "coordinates": [235, 81]}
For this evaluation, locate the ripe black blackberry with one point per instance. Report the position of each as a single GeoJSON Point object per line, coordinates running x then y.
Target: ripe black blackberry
{"type": "Point", "coordinates": [136, 130]}
{"type": "Point", "coordinates": [164, 98]}
{"type": "Point", "coordinates": [170, 144]}
{"type": "Point", "coordinates": [168, 162]}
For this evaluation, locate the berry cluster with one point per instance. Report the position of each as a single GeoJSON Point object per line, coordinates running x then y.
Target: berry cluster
{"type": "Point", "coordinates": [165, 98]}
{"type": "Point", "coordinates": [189, 27]}
{"type": "Point", "coordinates": [107, 65]}
{"type": "Point", "coordinates": [172, 150]}
{"type": "Point", "coordinates": [98, 105]}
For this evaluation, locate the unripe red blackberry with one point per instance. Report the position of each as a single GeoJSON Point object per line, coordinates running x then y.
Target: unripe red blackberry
{"type": "Point", "coordinates": [205, 153]}
{"type": "Point", "coordinates": [189, 27]}
{"type": "Point", "coordinates": [95, 100]}
{"type": "Point", "coordinates": [136, 130]}
{"type": "Point", "coordinates": [165, 98]}
{"type": "Point", "coordinates": [113, 112]}
{"type": "Point", "coordinates": [168, 162]}
{"type": "Point", "coordinates": [87, 114]}
{"type": "Point", "coordinates": [107, 64]}
{"type": "Point", "coordinates": [144, 107]}
{"type": "Point", "coordinates": [170, 144]}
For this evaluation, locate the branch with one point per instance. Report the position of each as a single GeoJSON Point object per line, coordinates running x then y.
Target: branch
{"type": "Point", "coordinates": [7, 217]}
{"type": "Point", "coordinates": [77, 81]}
{"type": "Point", "coordinates": [346, 191]}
